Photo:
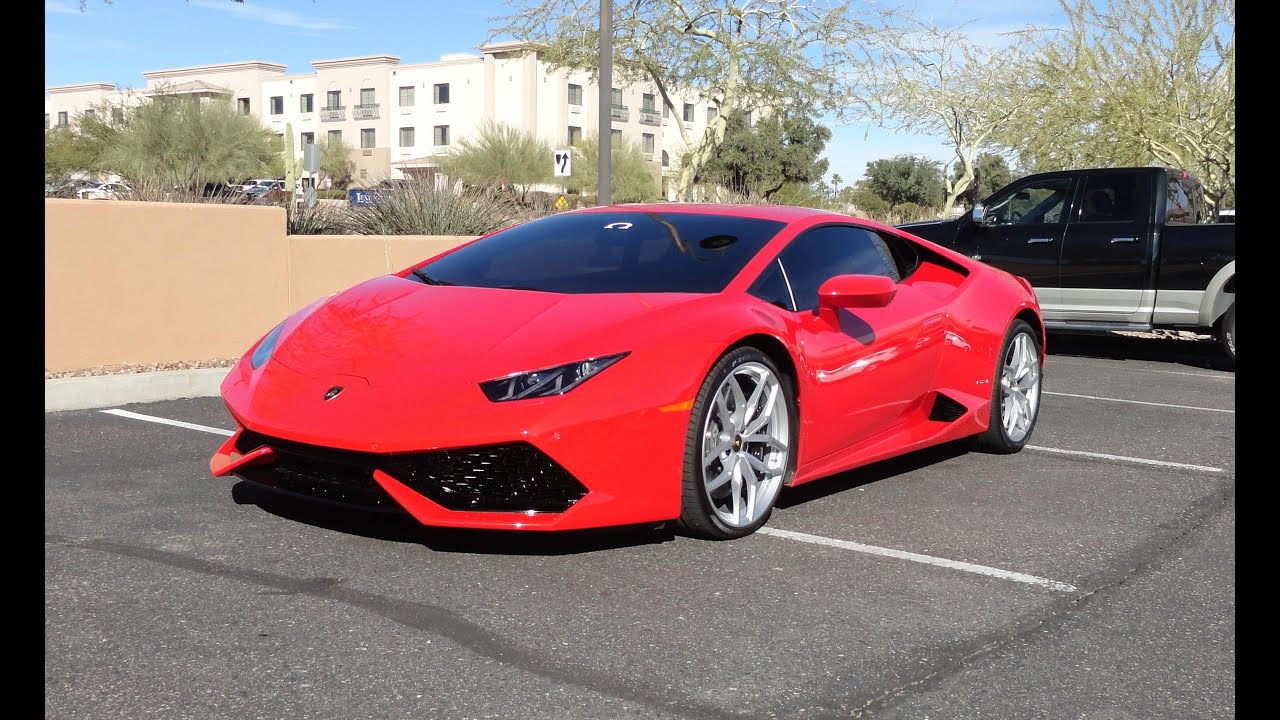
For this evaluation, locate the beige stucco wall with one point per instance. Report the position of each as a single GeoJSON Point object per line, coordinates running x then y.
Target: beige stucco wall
{"type": "Point", "coordinates": [134, 282]}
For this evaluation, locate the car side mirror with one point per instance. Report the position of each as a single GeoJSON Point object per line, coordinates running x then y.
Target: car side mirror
{"type": "Point", "coordinates": [853, 291]}
{"type": "Point", "coordinates": [979, 213]}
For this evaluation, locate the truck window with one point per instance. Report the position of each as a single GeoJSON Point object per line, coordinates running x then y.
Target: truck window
{"type": "Point", "coordinates": [1179, 210]}
{"type": "Point", "coordinates": [1040, 202]}
{"type": "Point", "coordinates": [1111, 198]}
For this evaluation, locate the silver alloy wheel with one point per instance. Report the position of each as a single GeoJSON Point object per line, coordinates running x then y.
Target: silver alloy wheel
{"type": "Point", "coordinates": [744, 445]}
{"type": "Point", "coordinates": [1020, 387]}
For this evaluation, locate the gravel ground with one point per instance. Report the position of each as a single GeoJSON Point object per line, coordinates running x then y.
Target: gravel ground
{"type": "Point", "coordinates": [127, 368]}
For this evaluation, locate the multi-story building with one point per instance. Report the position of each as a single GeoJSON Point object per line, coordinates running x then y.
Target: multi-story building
{"type": "Point", "coordinates": [400, 118]}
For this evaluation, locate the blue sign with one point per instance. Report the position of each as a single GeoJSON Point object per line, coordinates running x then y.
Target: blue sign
{"type": "Point", "coordinates": [359, 197]}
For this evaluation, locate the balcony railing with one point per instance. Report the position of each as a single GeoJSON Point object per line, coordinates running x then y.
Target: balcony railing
{"type": "Point", "coordinates": [620, 112]}
{"type": "Point", "coordinates": [366, 112]}
{"type": "Point", "coordinates": [650, 117]}
{"type": "Point", "coordinates": [333, 114]}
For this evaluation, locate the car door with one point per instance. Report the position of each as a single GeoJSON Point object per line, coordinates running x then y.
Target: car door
{"type": "Point", "coordinates": [868, 371]}
{"type": "Point", "coordinates": [1106, 255]}
{"type": "Point", "coordinates": [1023, 230]}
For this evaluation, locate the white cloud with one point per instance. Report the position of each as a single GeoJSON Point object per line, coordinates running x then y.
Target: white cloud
{"type": "Point", "coordinates": [271, 16]}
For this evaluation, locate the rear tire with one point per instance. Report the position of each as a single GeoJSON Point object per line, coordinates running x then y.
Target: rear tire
{"type": "Point", "coordinates": [740, 446]}
{"type": "Point", "coordinates": [1015, 395]}
{"type": "Point", "coordinates": [1227, 333]}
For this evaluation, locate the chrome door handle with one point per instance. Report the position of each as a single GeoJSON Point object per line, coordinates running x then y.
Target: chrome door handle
{"type": "Point", "coordinates": [1036, 241]}
{"type": "Point", "coordinates": [1123, 240]}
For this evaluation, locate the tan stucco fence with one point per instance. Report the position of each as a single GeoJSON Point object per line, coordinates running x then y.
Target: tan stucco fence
{"type": "Point", "coordinates": [145, 283]}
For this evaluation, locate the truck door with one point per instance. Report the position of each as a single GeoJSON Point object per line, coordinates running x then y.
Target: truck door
{"type": "Point", "coordinates": [1023, 230]}
{"type": "Point", "coordinates": [1106, 257]}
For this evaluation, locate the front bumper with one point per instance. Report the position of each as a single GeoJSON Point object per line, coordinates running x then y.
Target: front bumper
{"type": "Point", "coordinates": [527, 466]}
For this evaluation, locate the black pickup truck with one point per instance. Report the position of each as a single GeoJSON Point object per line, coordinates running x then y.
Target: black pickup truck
{"type": "Point", "coordinates": [1107, 249]}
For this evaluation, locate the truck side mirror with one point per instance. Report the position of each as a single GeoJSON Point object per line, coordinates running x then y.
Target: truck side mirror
{"type": "Point", "coordinates": [979, 213]}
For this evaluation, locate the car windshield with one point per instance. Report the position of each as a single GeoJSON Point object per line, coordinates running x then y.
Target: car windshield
{"type": "Point", "coordinates": [608, 252]}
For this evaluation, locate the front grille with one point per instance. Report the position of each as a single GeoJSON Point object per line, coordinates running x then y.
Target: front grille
{"type": "Point", "coordinates": [511, 477]}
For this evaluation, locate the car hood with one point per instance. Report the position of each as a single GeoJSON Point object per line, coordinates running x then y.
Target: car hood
{"type": "Point", "coordinates": [394, 332]}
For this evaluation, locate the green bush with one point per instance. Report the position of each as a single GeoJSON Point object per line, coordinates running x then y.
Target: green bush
{"type": "Point", "coordinates": [419, 208]}
{"type": "Point", "coordinates": [317, 220]}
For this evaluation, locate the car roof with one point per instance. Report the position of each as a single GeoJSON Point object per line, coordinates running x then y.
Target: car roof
{"type": "Point", "coordinates": [782, 213]}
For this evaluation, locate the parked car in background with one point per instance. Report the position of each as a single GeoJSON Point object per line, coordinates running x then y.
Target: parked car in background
{"type": "Point", "coordinates": [67, 188]}
{"type": "Point", "coordinates": [1108, 249]}
{"type": "Point", "coordinates": [270, 194]}
{"type": "Point", "coordinates": [260, 182]}
{"type": "Point", "coordinates": [104, 191]}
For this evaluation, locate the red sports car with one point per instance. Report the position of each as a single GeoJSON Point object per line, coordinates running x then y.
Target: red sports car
{"type": "Point", "coordinates": [636, 364]}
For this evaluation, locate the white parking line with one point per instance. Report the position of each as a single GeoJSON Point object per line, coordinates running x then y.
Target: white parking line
{"type": "Point", "coordinates": [167, 421]}
{"type": "Point", "coordinates": [917, 557]}
{"type": "Point", "coordinates": [1218, 376]}
{"type": "Point", "coordinates": [1127, 459]}
{"type": "Point", "coordinates": [1140, 402]}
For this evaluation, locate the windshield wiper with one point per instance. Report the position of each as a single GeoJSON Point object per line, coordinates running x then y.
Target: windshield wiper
{"type": "Point", "coordinates": [428, 280]}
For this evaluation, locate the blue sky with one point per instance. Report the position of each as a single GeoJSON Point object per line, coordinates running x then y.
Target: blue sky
{"type": "Point", "coordinates": [115, 43]}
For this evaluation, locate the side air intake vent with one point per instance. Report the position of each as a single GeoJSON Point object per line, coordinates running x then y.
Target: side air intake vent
{"type": "Point", "coordinates": [945, 409]}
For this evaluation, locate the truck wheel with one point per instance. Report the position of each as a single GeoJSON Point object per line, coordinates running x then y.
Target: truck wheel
{"type": "Point", "coordinates": [1227, 333]}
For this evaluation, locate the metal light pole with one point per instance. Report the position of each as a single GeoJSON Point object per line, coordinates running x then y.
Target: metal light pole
{"type": "Point", "coordinates": [604, 193]}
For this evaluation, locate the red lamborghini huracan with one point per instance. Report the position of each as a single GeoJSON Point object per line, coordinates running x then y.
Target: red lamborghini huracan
{"type": "Point", "coordinates": [636, 364]}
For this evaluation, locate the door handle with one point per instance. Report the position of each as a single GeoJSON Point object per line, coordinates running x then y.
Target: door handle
{"type": "Point", "coordinates": [1123, 240]}
{"type": "Point", "coordinates": [1036, 241]}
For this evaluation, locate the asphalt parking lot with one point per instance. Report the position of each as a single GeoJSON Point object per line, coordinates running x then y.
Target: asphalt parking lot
{"type": "Point", "coordinates": [1091, 576]}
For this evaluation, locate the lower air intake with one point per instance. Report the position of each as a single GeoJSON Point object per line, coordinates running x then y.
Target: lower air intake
{"type": "Point", "coordinates": [945, 409]}
{"type": "Point", "coordinates": [511, 477]}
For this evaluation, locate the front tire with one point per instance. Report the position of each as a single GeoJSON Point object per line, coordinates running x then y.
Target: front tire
{"type": "Point", "coordinates": [740, 446]}
{"type": "Point", "coordinates": [1015, 399]}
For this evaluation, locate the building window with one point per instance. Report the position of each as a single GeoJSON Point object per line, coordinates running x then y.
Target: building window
{"type": "Point", "coordinates": [666, 111]}
{"type": "Point", "coordinates": [91, 113]}
{"type": "Point", "coordinates": [406, 136]}
{"type": "Point", "coordinates": [333, 98]}
{"type": "Point", "coordinates": [617, 97]}
{"type": "Point", "coordinates": [575, 94]}
{"type": "Point", "coordinates": [367, 97]}
{"type": "Point", "coordinates": [440, 135]}
{"type": "Point", "coordinates": [307, 103]}
{"type": "Point", "coordinates": [575, 134]}
{"type": "Point", "coordinates": [117, 115]}
{"type": "Point", "coordinates": [277, 104]}
{"type": "Point", "coordinates": [647, 143]}
{"type": "Point", "coordinates": [712, 112]}
{"type": "Point", "coordinates": [308, 138]}
{"type": "Point", "coordinates": [335, 136]}
{"type": "Point", "coordinates": [440, 94]}
{"type": "Point", "coordinates": [615, 136]}
{"type": "Point", "coordinates": [62, 118]}
{"type": "Point", "coordinates": [367, 138]}
{"type": "Point", "coordinates": [46, 121]}
{"type": "Point", "coordinates": [243, 105]}
{"type": "Point", "coordinates": [647, 103]}
{"type": "Point", "coordinates": [688, 112]}
{"type": "Point", "coordinates": [666, 159]}
{"type": "Point", "coordinates": [406, 96]}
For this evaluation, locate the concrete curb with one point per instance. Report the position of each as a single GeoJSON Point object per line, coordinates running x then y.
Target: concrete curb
{"type": "Point", "coordinates": [100, 391]}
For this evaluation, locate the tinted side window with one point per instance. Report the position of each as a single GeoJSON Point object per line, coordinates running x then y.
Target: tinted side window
{"type": "Point", "coordinates": [822, 253]}
{"type": "Point", "coordinates": [1178, 209]}
{"type": "Point", "coordinates": [1039, 202]}
{"type": "Point", "coordinates": [771, 287]}
{"type": "Point", "coordinates": [1111, 198]}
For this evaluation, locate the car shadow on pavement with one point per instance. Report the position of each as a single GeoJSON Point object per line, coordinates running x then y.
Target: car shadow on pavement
{"type": "Point", "coordinates": [867, 474]}
{"type": "Point", "coordinates": [400, 527]}
{"type": "Point", "coordinates": [1206, 353]}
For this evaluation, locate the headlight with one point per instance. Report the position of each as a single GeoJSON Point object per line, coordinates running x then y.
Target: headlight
{"type": "Point", "coordinates": [556, 380]}
{"type": "Point", "coordinates": [262, 353]}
